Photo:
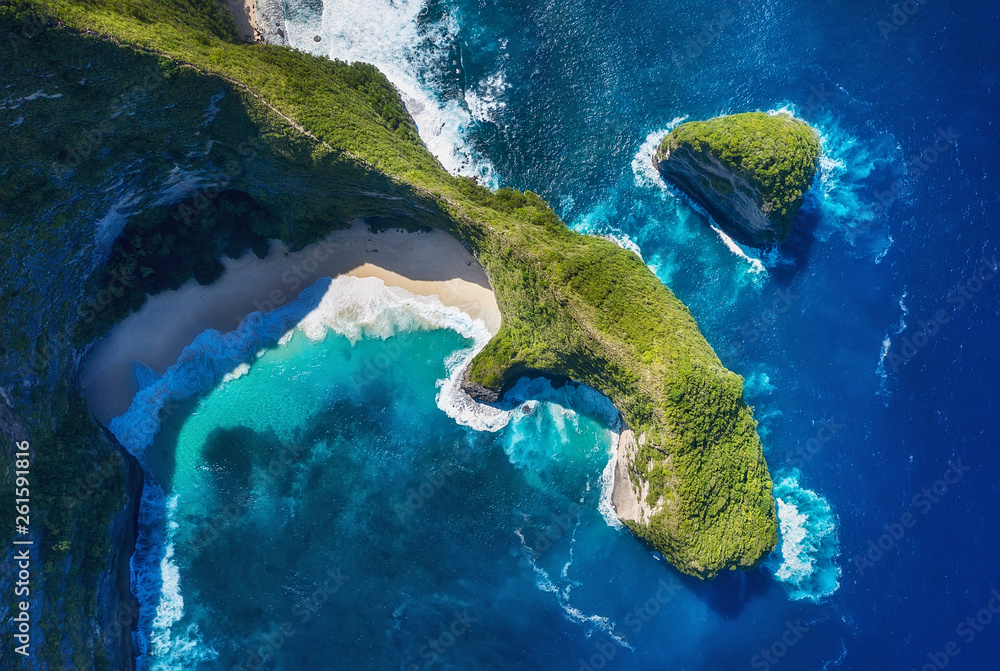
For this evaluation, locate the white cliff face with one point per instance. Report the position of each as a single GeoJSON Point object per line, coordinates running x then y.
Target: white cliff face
{"type": "Point", "coordinates": [629, 495]}
{"type": "Point", "coordinates": [626, 495]}
{"type": "Point", "coordinates": [750, 171]}
{"type": "Point", "coordinates": [731, 200]}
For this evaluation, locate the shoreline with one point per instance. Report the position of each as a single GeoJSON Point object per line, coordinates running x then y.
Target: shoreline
{"type": "Point", "coordinates": [247, 25]}
{"type": "Point", "coordinates": [422, 263]}
{"type": "Point", "coordinates": [625, 502]}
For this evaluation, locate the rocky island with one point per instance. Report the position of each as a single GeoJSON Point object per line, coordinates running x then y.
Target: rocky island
{"type": "Point", "coordinates": [143, 146]}
{"type": "Point", "coordinates": [749, 171]}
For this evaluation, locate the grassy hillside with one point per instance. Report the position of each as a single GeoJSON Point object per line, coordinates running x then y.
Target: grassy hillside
{"type": "Point", "coordinates": [572, 305]}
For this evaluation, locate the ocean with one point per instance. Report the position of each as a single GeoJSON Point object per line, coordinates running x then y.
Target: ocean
{"type": "Point", "coordinates": [336, 504]}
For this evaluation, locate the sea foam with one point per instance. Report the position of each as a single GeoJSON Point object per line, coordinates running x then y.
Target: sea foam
{"type": "Point", "coordinates": [421, 55]}
{"type": "Point", "coordinates": [354, 308]}
{"type": "Point", "coordinates": [646, 176]}
{"type": "Point", "coordinates": [170, 650]}
{"type": "Point", "coordinates": [349, 306]}
{"type": "Point", "coordinates": [146, 562]}
{"type": "Point", "coordinates": [155, 581]}
{"type": "Point", "coordinates": [806, 558]}
{"type": "Point", "coordinates": [642, 163]}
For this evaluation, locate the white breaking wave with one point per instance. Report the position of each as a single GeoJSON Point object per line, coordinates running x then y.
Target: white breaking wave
{"type": "Point", "coordinates": [171, 605]}
{"type": "Point", "coordinates": [806, 557]}
{"type": "Point", "coordinates": [357, 307]}
{"type": "Point", "coordinates": [155, 581]}
{"type": "Point", "coordinates": [786, 109]}
{"type": "Point", "coordinates": [605, 506]}
{"type": "Point", "coordinates": [795, 559]}
{"type": "Point", "coordinates": [353, 307]}
{"type": "Point", "coordinates": [624, 241]}
{"type": "Point", "coordinates": [831, 169]}
{"type": "Point", "coordinates": [755, 264]}
{"type": "Point", "coordinates": [146, 561]}
{"type": "Point", "coordinates": [170, 650]}
{"type": "Point", "coordinates": [460, 406]}
{"type": "Point", "coordinates": [236, 373]}
{"type": "Point", "coordinates": [647, 176]}
{"type": "Point", "coordinates": [642, 163]}
{"type": "Point", "coordinates": [463, 409]}
{"type": "Point", "coordinates": [412, 51]}
{"type": "Point", "coordinates": [484, 102]}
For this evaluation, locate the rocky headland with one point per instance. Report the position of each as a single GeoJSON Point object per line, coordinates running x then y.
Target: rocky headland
{"type": "Point", "coordinates": [749, 171]}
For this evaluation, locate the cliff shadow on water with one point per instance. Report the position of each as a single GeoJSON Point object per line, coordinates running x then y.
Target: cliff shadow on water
{"type": "Point", "coordinates": [730, 592]}
{"type": "Point", "coordinates": [795, 251]}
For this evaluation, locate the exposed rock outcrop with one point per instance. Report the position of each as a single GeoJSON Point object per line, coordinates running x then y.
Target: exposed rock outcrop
{"type": "Point", "coordinates": [750, 172]}
{"type": "Point", "coordinates": [627, 496]}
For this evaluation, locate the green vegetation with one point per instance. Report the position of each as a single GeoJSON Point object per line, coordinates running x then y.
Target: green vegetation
{"type": "Point", "coordinates": [162, 248]}
{"type": "Point", "coordinates": [777, 154]}
{"type": "Point", "coordinates": [165, 86]}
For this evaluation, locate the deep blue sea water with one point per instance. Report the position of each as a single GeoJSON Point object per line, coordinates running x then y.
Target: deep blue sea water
{"type": "Point", "coordinates": [395, 537]}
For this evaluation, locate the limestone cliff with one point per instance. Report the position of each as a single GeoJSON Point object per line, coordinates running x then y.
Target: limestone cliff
{"type": "Point", "coordinates": [750, 172]}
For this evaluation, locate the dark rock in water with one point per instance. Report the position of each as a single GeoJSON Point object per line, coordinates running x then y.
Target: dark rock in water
{"type": "Point", "coordinates": [749, 171]}
{"type": "Point", "coordinates": [477, 391]}
{"type": "Point", "coordinates": [317, 38]}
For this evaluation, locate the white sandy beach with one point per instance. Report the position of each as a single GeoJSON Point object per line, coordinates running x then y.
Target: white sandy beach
{"type": "Point", "coordinates": [245, 15]}
{"type": "Point", "coordinates": [427, 264]}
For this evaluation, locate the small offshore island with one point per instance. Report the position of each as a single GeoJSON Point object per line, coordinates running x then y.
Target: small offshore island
{"type": "Point", "coordinates": [296, 147]}
{"type": "Point", "coordinates": [749, 171]}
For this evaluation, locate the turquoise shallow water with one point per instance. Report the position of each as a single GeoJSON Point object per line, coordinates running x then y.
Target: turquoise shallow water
{"type": "Point", "coordinates": [316, 502]}
{"type": "Point", "coordinates": [331, 503]}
